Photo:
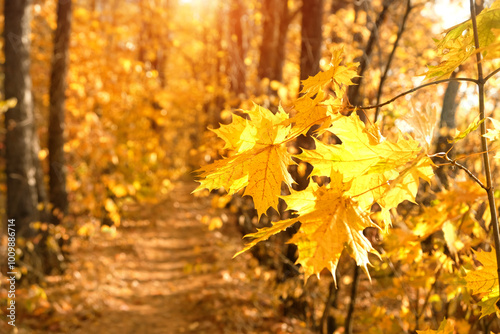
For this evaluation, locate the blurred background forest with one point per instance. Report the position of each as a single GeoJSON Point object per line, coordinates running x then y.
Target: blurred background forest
{"type": "Point", "coordinates": [116, 98]}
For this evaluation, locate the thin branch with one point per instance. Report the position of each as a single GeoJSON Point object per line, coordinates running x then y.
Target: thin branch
{"type": "Point", "coordinates": [491, 74]}
{"type": "Point", "coordinates": [353, 93]}
{"type": "Point", "coordinates": [413, 90]}
{"type": "Point", "coordinates": [484, 142]}
{"type": "Point", "coordinates": [391, 56]}
{"type": "Point", "coordinates": [456, 164]}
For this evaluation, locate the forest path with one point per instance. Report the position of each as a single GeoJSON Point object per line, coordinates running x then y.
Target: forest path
{"type": "Point", "coordinates": [165, 272]}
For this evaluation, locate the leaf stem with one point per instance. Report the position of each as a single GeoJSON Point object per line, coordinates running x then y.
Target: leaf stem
{"type": "Point", "coordinates": [484, 143]}
{"type": "Point", "coordinates": [414, 90]}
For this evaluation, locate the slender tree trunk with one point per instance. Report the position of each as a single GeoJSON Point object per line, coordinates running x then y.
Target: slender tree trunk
{"type": "Point", "coordinates": [354, 95]}
{"type": "Point", "coordinates": [237, 51]}
{"type": "Point", "coordinates": [312, 37]}
{"type": "Point", "coordinates": [312, 13]}
{"type": "Point", "coordinates": [270, 33]}
{"type": "Point", "coordinates": [279, 60]}
{"type": "Point", "coordinates": [22, 195]}
{"type": "Point", "coordinates": [57, 160]}
{"type": "Point", "coordinates": [310, 55]}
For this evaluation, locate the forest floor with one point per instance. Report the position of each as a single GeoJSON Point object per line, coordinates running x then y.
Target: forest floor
{"type": "Point", "coordinates": [163, 272]}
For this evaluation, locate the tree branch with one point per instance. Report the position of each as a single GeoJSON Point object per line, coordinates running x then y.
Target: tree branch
{"type": "Point", "coordinates": [391, 56]}
{"type": "Point", "coordinates": [456, 164]}
{"type": "Point", "coordinates": [411, 91]}
{"type": "Point", "coordinates": [491, 74]}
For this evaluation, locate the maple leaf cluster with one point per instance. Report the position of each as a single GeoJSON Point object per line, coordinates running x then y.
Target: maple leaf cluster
{"type": "Point", "coordinates": [364, 169]}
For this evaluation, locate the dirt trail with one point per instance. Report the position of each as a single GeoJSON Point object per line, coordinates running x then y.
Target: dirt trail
{"type": "Point", "coordinates": [166, 273]}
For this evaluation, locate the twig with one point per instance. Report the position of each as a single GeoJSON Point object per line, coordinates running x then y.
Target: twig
{"type": "Point", "coordinates": [456, 164]}
{"type": "Point", "coordinates": [413, 90]}
{"type": "Point", "coordinates": [391, 56]}
{"type": "Point", "coordinates": [353, 93]}
{"type": "Point", "coordinates": [491, 74]}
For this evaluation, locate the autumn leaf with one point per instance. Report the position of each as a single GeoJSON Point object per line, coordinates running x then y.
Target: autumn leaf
{"type": "Point", "coordinates": [494, 133]}
{"type": "Point", "coordinates": [446, 327]}
{"type": "Point", "coordinates": [472, 126]}
{"type": "Point", "coordinates": [484, 281]}
{"type": "Point", "coordinates": [361, 151]}
{"type": "Point", "coordinates": [334, 223]}
{"type": "Point", "coordinates": [231, 133]}
{"type": "Point", "coordinates": [379, 170]}
{"type": "Point", "coordinates": [340, 77]}
{"type": "Point", "coordinates": [458, 43]}
{"type": "Point", "coordinates": [311, 111]}
{"type": "Point", "coordinates": [421, 123]}
{"type": "Point", "coordinates": [261, 161]}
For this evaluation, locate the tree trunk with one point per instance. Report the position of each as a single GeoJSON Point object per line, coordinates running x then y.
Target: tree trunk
{"type": "Point", "coordinates": [57, 171]}
{"type": "Point", "coordinates": [279, 60]}
{"type": "Point", "coordinates": [269, 39]}
{"type": "Point", "coordinates": [354, 95]}
{"type": "Point", "coordinates": [312, 37]}
{"type": "Point", "coordinates": [237, 50]}
{"type": "Point", "coordinates": [22, 196]}
{"type": "Point", "coordinates": [310, 55]}
{"type": "Point", "coordinates": [447, 125]}
{"type": "Point", "coordinates": [272, 49]}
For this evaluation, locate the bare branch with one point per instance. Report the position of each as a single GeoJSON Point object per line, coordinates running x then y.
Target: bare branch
{"type": "Point", "coordinates": [413, 90]}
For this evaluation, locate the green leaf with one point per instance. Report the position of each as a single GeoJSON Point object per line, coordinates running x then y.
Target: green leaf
{"type": "Point", "coordinates": [473, 126]}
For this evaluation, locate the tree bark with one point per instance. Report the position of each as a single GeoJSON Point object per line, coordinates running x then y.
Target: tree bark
{"type": "Point", "coordinates": [353, 93]}
{"type": "Point", "coordinates": [57, 160]}
{"type": "Point", "coordinates": [279, 60]}
{"type": "Point", "coordinates": [269, 39]}
{"type": "Point", "coordinates": [310, 55]}
{"type": "Point", "coordinates": [446, 125]}
{"type": "Point", "coordinates": [312, 37]}
{"type": "Point", "coordinates": [237, 51]}
{"type": "Point", "coordinates": [272, 48]}
{"type": "Point", "coordinates": [22, 195]}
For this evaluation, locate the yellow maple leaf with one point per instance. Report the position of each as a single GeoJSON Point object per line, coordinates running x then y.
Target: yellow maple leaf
{"type": "Point", "coordinates": [380, 170]}
{"type": "Point", "coordinates": [340, 76]}
{"type": "Point", "coordinates": [494, 133]}
{"type": "Point", "coordinates": [485, 281]}
{"type": "Point", "coordinates": [311, 111]}
{"type": "Point", "coordinates": [261, 161]}
{"type": "Point", "coordinates": [331, 223]}
{"type": "Point", "coordinates": [362, 150]}
{"type": "Point", "coordinates": [231, 133]}
{"type": "Point", "coordinates": [458, 43]}
{"type": "Point", "coordinates": [446, 327]}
